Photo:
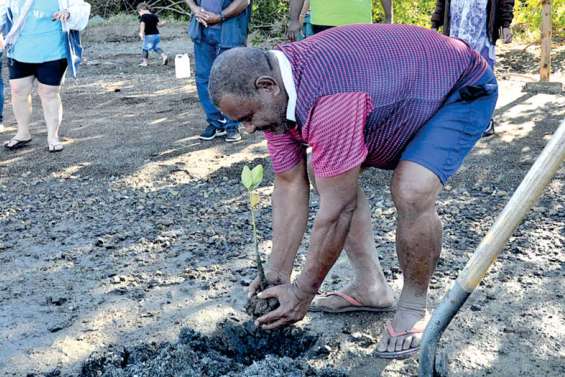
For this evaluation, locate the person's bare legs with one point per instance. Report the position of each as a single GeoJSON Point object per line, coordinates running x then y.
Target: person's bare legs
{"type": "Point", "coordinates": [387, 7]}
{"type": "Point", "coordinates": [369, 285]}
{"type": "Point", "coordinates": [21, 105]}
{"type": "Point", "coordinates": [418, 244]}
{"type": "Point", "coordinates": [52, 111]}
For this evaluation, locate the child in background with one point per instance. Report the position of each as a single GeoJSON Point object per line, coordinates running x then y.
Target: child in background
{"type": "Point", "coordinates": [149, 34]}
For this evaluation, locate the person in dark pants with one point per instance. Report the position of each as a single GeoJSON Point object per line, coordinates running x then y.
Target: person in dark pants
{"type": "Point", "coordinates": [216, 26]}
{"type": "Point", "coordinates": [480, 23]}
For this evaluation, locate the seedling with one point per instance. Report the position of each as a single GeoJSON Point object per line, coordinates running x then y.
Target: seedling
{"type": "Point", "coordinates": [251, 179]}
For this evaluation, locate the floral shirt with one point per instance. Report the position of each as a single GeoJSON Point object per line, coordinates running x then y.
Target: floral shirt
{"type": "Point", "coordinates": [469, 23]}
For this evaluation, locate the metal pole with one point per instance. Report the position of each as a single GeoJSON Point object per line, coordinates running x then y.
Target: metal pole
{"type": "Point", "coordinates": [525, 196]}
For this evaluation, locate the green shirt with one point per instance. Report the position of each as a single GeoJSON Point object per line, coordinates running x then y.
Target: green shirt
{"type": "Point", "coordinates": [341, 12]}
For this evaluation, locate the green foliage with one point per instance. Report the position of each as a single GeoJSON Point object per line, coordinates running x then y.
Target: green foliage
{"type": "Point", "coordinates": [413, 12]}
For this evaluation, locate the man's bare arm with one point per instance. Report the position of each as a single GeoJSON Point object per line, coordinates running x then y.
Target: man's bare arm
{"type": "Point", "coordinates": [294, 24]}
{"type": "Point", "coordinates": [290, 216]}
{"type": "Point", "coordinates": [338, 200]}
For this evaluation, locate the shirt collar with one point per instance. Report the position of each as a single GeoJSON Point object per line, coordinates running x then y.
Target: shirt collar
{"type": "Point", "coordinates": [288, 81]}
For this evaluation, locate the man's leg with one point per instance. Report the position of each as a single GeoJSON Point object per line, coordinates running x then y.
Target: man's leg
{"type": "Point", "coordinates": [21, 104]}
{"type": "Point", "coordinates": [53, 112]}
{"type": "Point", "coordinates": [205, 52]}
{"type": "Point", "coordinates": [369, 285]}
{"type": "Point", "coordinates": [418, 243]}
{"type": "Point", "coordinates": [387, 7]}
{"type": "Point", "coordinates": [232, 126]}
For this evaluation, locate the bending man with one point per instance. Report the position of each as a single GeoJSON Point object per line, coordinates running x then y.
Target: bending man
{"type": "Point", "coordinates": [359, 96]}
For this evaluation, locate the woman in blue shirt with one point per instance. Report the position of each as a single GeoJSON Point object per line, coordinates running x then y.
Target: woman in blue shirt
{"type": "Point", "coordinates": [38, 49]}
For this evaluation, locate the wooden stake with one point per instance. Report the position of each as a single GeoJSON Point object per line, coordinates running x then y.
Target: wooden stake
{"type": "Point", "coordinates": [545, 63]}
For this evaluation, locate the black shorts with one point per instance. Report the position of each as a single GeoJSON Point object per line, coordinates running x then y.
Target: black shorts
{"type": "Point", "coordinates": [47, 73]}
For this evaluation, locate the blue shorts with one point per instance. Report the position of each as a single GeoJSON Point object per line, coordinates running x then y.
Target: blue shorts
{"type": "Point", "coordinates": [444, 141]}
{"type": "Point", "coordinates": [151, 42]}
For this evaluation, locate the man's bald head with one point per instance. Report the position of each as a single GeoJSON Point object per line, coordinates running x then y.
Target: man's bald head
{"type": "Point", "coordinates": [235, 72]}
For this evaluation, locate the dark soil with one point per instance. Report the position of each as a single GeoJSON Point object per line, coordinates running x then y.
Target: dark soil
{"type": "Point", "coordinates": [235, 349]}
{"type": "Point", "coordinates": [257, 307]}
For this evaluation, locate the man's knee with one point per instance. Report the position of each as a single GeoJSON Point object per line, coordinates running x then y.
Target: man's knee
{"type": "Point", "coordinates": [414, 189]}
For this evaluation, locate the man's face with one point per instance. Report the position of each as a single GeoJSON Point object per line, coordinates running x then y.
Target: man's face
{"type": "Point", "coordinates": [266, 111]}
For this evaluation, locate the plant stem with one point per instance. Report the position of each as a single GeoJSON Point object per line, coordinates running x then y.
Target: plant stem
{"type": "Point", "coordinates": [262, 278]}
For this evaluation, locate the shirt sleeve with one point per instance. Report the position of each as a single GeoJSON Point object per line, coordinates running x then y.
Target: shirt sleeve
{"type": "Point", "coordinates": [285, 151]}
{"type": "Point", "coordinates": [336, 132]}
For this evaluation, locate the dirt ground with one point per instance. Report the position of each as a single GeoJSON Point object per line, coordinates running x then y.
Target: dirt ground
{"type": "Point", "coordinates": [138, 229]}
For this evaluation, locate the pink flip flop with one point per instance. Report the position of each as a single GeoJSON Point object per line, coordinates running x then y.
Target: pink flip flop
{"type": "Point", "coordinates": [354, 305]}
{"type": "Point", "coordinates": [418, 328]}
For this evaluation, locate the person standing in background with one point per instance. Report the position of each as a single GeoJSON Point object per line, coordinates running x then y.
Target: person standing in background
{"type": "Point", "coordinates": [480, 23]}
{"type": "Point", "coordinates": [216, 26]}
{"type": "Point", "coordinates": [325, 14]}
{"type": "Point", "coordinates": [41, 43]}
{"type": "Point", "coordinates": [1, 84]}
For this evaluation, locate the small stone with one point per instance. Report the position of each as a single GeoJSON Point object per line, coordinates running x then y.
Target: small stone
{"type": "Point", "coordinates": [475, 308]}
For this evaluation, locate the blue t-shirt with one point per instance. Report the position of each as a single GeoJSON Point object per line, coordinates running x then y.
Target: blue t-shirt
{"type": "Point", "coordinates": [41, 39]}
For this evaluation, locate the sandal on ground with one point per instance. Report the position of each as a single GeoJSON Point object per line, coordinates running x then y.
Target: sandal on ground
{"type": "Point", "coordinates": [15, 143]}
{"type": "Point", "coordinates": [55, 147]}
{"type": "Point", "coordinates": [351, 305]}
{"type": "Point", "coordinates": [418, 328]}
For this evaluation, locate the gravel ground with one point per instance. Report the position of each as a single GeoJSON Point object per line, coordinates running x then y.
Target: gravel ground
{"type": "Point", "coordinates": [137, 230]}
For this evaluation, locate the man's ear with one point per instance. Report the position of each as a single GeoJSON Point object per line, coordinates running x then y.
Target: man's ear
{"type": "Point", "coordinates": [267, 83]}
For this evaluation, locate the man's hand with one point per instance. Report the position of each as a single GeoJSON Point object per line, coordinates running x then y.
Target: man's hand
{"type": "Point", "coordinates": [294, 303]}
{"type": "Point", "coordinates": [141, 36]}
{"type": "Point", "coordinates": [62, 16]}
{"type": "Point", "coordinates": [506, 35]}
{"type": "Point", "coordinates": [294, 30]}
{"type": "Point", "coordinates": [209, 18]}
{"type": "Point", "coordinates": [273, 278]}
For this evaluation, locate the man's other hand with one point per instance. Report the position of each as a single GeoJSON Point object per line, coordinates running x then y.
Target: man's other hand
{"type": "Point", "coordinates": [273, 278]}
{"type": "Point", "coordinates": [294, 30]}
{"type": "Point", "coordinates": [294, 303]}
{"type": "Point", "coordinates": [506, 35]}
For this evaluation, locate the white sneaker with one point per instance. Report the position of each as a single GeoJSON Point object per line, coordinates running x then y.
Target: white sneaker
{"type": "Point", "coordinates": [143, 64]}
{"type": "Point", "coordinates": [165, 59]}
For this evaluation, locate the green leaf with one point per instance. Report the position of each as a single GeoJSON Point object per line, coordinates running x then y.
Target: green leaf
{"type": "Point", "coordinates": [246, 177]}
{"type": "Point", "coordinates": [257, 174]}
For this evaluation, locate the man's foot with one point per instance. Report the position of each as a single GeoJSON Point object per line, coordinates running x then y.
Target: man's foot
{"type": "Point", "coordinates": [402, 336]}
{"type": "Point", "coordinates": [211, 132]}
{"type": "Point", "coordinates": [143, 64]}
{"type": "Point", "coordinates": [490, 129]}
{"type": "Point", "coordinates": [233, 135]}
{"type": "Point", "coordinates": [354, 298]}
{"type": "Point", "coordinates": [165, 59]}
{"type": "Point", "coordinates": [15, 143]}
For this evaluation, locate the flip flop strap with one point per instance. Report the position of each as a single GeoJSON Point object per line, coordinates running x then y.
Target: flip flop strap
{"type": "Point", "coordinates": [344, 296]}
{"type": "Point", "coordinates": [417, 329]}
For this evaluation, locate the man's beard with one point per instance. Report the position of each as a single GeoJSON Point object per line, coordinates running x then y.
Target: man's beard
{"type": "Point", "coordinates": [283, 125]}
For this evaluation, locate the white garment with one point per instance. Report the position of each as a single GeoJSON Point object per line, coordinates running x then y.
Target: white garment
{"type": "Point", "coordinates": [468, 21]}
{"type": "Point", "coordinates": [79, 12]}
{"type": "Point", "coordinates": [288, 81]}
